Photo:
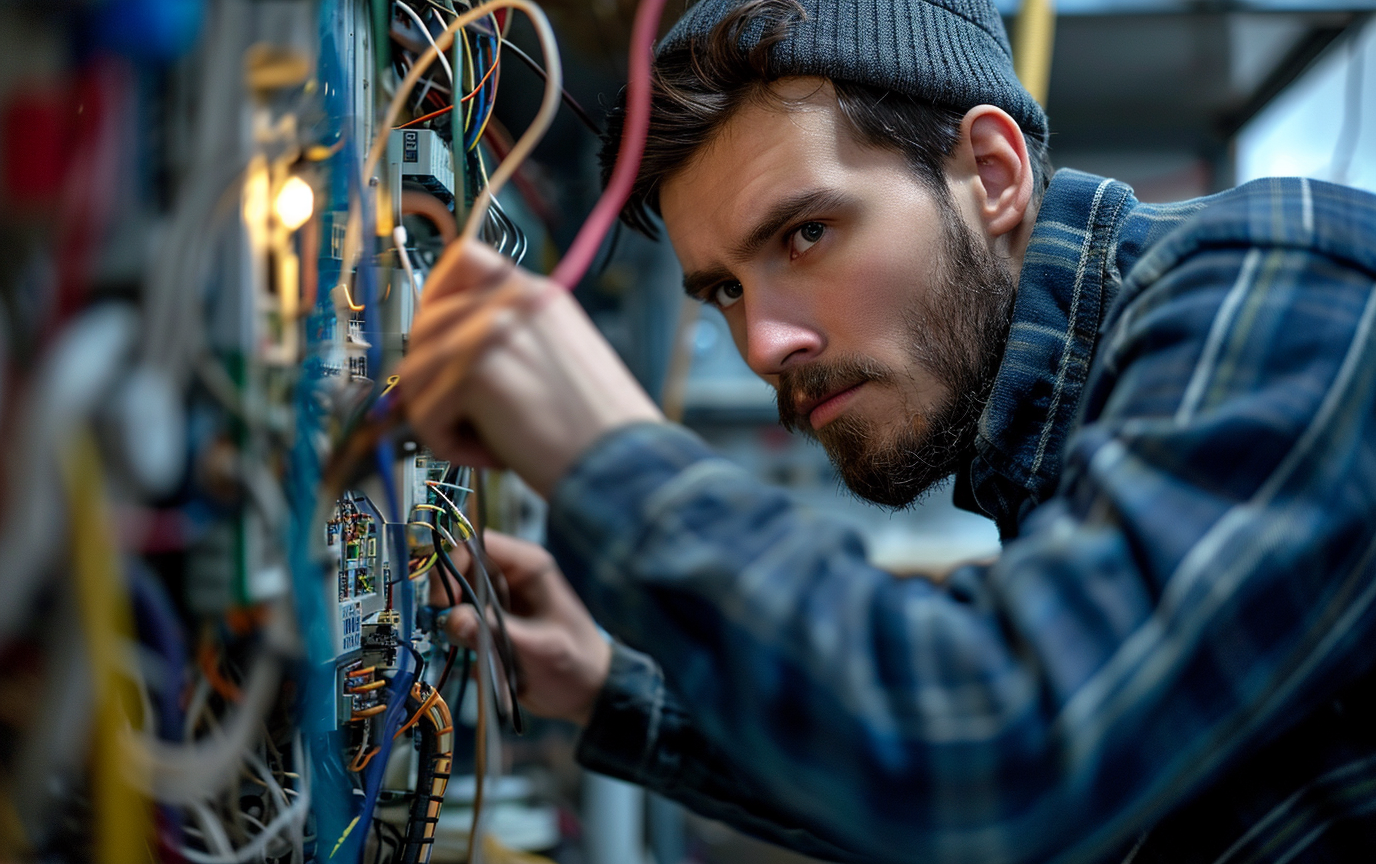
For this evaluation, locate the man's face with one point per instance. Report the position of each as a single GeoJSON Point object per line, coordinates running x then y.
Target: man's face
{"type": "Point", "coordinates": [852, 288]}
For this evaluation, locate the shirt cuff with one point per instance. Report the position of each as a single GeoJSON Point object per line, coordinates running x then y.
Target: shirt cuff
{"type": "Point", "coordinates": [623, 735]}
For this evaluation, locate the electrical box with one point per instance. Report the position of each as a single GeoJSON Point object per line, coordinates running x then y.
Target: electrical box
{"type": "Point", "coordinates": [424, 159]}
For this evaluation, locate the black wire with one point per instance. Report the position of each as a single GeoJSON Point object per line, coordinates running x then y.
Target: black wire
{"type": "Point", "coordinates": [420, 661]}
{"type": "Point", "coordinates": [568, 97]}
{"type": "Point", "coordinates": [535, 67]}
{"type": "Point", "coordinates": [448, 667]}
{"type": "Point", "coordinates": [448, 564]}
{"type": "Point", "coordinates": [504, 649]}
{"type": "Point", "coordinates": [377, 850]}
{"type": "Point", "coordinates": [502, 643]}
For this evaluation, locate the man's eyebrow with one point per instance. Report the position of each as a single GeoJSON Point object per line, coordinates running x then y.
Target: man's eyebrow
{"type": "Point", "coordinates": [695, 284]}
{"type": "Point", "coordinates": [785, 211]}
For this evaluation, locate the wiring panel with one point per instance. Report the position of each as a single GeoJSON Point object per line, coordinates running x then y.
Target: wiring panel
{"type": "Point", "coordinates": [219, 221]}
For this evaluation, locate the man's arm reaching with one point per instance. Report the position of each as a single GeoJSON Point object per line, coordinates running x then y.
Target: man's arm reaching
{"type": "Point", "coordinates": [1202, 576]}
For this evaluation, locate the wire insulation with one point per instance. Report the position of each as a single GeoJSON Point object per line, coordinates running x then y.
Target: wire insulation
{"type": "Point", "coordinates": [637, 127]}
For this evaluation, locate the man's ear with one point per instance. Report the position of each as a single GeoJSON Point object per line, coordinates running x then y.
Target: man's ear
{"type": "Point", "coordinates": [994, 153]}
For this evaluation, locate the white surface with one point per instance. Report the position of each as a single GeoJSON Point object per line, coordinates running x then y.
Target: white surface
{"type": "Point", "coordinates": [1297, 135]}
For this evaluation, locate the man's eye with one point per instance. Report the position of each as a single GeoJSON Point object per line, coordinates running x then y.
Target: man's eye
{"type": "Point", "coordinates": [726, 294]}
{"type": "Point", "coordinates": [806, 235]}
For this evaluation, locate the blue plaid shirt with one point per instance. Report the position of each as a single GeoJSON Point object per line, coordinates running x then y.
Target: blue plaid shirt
{"type": "Point", "coordinates": [1171, 660]}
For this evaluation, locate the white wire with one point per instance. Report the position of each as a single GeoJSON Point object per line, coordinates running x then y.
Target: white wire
{"type": "Point", "coordinates": [199, 698]}
{"type": "Point", "coordinates": [292, 817]}
{"type": "Point", "coordinates": [429, 82]}
{"type": "Point", "coordinates": [258, 845]}
{"type": "Point", "coordinates": [549, 106]}
{"type": "Point", "coordinates": [444, 61]}
{"type": "Point", "coordinates": [211, 830]}
{"type": "Point", "coordinates": [189, 772]}
{"type": "Point", "coordinates": [399, 238]}
{"type": "Point", "coordinates": [274, 788]}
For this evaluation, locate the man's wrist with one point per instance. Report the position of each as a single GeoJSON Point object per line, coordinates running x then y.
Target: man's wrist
{"type": "Point", "coordinates": [622, 730]}
{"type": "Point", "coordinates": [601, 665]}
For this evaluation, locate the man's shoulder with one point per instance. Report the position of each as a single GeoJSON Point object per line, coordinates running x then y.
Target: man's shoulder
{"type": "Point", "coordinates": [1326, 219]}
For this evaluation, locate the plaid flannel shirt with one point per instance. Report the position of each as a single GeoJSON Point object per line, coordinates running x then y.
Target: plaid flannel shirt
{"type": "Point", "coordinates": [1170, 661]}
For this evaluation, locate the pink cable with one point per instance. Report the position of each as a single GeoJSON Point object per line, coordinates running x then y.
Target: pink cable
{"type": "Point", "coordinates": [579, 257]}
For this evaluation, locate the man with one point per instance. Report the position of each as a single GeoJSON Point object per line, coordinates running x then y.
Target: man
{"type": "Point", "coordinates": [1169, 411]}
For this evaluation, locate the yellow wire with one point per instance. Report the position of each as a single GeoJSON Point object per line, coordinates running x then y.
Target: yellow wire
{"type": "Point", "coordinates": [549, 105]}
{"type": "Point", "coordinates": [349, 297]}
{"type": "Point", "coordinates": [472, 76]}
{"type": "Point", "coordinates": [121, 827]}
{"type": "Point", "coordinates": [429, 565]}
{"type": "Point", "coordinates": [344, 836]}
{"type": "Point", "coordinates": [496, 59]}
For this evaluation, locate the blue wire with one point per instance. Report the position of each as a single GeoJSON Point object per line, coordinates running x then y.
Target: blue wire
{"type": "Point", "coordinates": [332, 787]}
{"type": "Point", "coordinates": [401, 682]}
{"type": "Point", "coordinates": [372, 782]}
{"type": "Point", "coordinates": [485, 101]}
{"type": "Point", "coordinates": [158, 625]}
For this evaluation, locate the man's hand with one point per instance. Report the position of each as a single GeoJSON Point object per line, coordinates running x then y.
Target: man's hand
{"type": "Point", "coordinates": [505, 368]}
{"type": "Point", "coordinates": [563, 657]}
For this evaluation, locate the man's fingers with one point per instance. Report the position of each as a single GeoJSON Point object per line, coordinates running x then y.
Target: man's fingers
{"type": "Point", "coordinates": [438, 576]}
{"type": "Point", "coordinates": [466, 267]}
{"type": "Point", "coordinates": [523, 563]}
{"type": "Point", "coordinates": [462, 626]}
{"type": "Point", "coordinates": [431, 379]}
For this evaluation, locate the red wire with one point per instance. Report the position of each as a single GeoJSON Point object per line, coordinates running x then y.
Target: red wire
{"type": "Point", "coordinates": [576, 261]}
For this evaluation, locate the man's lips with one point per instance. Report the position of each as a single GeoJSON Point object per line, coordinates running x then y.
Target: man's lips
{"type": "Point", "coordinates": [823, 409]}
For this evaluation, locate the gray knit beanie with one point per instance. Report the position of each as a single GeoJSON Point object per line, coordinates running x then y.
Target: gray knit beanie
{"type": "Point", "coordinates": [951, 52]}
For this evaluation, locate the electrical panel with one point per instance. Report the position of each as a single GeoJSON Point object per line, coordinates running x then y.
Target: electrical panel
{"type": "Point", "coordinates": [220, 546]}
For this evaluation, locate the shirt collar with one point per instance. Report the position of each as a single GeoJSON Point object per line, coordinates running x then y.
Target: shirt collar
{"type": "Point", "coordinates": [1069, 276]}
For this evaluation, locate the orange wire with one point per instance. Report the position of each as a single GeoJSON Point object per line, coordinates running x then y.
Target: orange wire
{"type": "Point", "coordinates": [421, 119]}
{"type": "Point", "coordinates": [370, 686]}
{"type": "Point", "coordinates": [368, 712]}
{"type": "Point", "coordinates": [359, 673]}
{"type": "Point", "coordinates": [210, 668]}
{"type": "Point", "coordinates": [356, 765]}
{"type": "Point", "coordinates": [425, 706]}
{"type": "Point", "coordinates": [496, 58]}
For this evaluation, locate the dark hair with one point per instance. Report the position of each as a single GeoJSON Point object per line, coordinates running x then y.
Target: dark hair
{"type": "Point", "coordinates": [698, 88]}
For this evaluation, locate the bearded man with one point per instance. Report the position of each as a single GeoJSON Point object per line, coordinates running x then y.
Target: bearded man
{"type": "Point", "coordinates": [1169, 412]}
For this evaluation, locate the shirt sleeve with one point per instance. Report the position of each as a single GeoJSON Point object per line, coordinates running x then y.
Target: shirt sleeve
{"type": "Point", "coordinates": [1203, 575]}
{"type": "Point", "coordinates": [641, 733]}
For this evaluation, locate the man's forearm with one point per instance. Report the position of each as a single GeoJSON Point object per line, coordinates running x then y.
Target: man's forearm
{"type": "Point", "coordinates": [641, 732]}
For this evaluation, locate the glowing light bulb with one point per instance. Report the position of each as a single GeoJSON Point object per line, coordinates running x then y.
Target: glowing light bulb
{"type": "Point", "coordinates": [295, 203]}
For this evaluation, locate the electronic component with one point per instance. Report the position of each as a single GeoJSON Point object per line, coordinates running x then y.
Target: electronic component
{"type": "Point", "coordinates": [421, 157]}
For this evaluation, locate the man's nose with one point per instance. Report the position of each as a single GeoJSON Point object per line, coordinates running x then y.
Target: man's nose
{"type": "Point", "coordinates": [779, 334]}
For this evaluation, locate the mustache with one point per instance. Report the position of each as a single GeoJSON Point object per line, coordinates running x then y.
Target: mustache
{"type": "Point", "coordinates": [816, 379]}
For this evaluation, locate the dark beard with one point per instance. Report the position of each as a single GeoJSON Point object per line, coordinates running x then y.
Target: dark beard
{"type": "Point", "coordinates": [957, 333]}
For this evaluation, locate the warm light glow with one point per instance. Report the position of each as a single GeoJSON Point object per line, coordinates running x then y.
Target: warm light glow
{"type": "Point", "coordinates": [295, 203]}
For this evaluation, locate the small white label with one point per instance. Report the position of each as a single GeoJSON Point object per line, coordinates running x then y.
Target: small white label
{"type": "Point", "coordinates": [351, 626]}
